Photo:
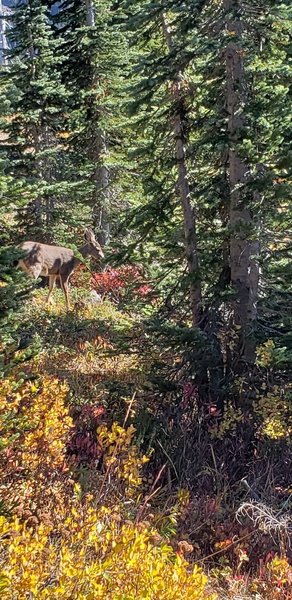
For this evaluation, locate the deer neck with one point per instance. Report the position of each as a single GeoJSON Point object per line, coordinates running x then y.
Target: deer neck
{"type": "Point", "coordinates": [84, 251]}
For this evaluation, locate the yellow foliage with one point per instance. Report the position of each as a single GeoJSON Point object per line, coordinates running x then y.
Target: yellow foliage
{"type": "Point", "coordinates": [35, 426]}
{"type": "Point", "coordinates": [64, 135]}
{"type": "Point", "coordinates": [265, 353]}
{"type": "Point", "coordinates": [46, 425]}
{"type": "Point", "coordinates": [272, 410]}
{"type": "Point", "coordinates": [231, 416]}
{"type": "Point", "coordinates": [50, 424]}
{"type": "Point", "coordinates": [274, 581]}
{"type": "Point", "coordinates": [80, 550]}
{"type": "Point", "coordinates": [280, 570]}
{"type": "Point", "coordinates": [121, 455]}
{"type": "Point", "coordinates": [93, 556]}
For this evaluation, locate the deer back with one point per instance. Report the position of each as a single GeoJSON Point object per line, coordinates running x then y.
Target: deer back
{"type": "Point", "coordinates": [44, 259]}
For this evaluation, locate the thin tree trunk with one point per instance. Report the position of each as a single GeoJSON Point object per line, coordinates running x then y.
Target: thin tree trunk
{"type": "Point", "coordinates": [101, 178]}
{"type": "Point", "coordinates": [37, 208]}
{"type": "Point", "coordinates": [244, 271]}
{"type": "Point", "coordinates": [90, 20]}
{"type": "Point", "coordinates": [101, 174]}
{"type": "Point", "coordinates": [179, 134]}
{"type": "Point", "coordinates": [4, 12]}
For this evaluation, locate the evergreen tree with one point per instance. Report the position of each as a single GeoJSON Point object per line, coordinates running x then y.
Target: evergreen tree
{"type": "Point", "coordinates": [94, 54]}
{"type": "Point", "coordinates": [35, 99]}
{"type": "Point", "coordinates": [160, 116]}
{"type": "Point", "coordinates": [14, 288]}
{"type": "Point", "coordinates": [223, 51]}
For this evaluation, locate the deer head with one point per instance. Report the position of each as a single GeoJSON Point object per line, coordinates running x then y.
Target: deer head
{"type": "Point", "coordinates": [93, 248]}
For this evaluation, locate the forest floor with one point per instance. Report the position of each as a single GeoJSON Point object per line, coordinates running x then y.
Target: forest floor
{"type": "Point", "coordinates": [97, 499]}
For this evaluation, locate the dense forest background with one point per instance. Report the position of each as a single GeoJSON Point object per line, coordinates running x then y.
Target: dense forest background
{"type": "Point", "coordinates": [165, 127]}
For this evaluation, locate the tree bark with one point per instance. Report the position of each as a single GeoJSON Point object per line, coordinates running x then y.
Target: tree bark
{"type": "Point", "coordinates": [244, 269]}
{"type": "Point", "coordinates": [101, 173]}
{"type": "Point", "coordinates": [90, 20]}
{"type": "Point", "coordinates": [189, 220]}
{"type": "Point", "coordinates": [101, 178]}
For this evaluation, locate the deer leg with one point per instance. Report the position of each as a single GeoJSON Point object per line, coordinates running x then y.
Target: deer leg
{"type": "Point", "coordinates": [52, 281]}
{"type": "Point", "coordinates": [64, 286]}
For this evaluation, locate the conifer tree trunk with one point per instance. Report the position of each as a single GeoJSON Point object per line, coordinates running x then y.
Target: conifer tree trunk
{"type": "Point", "coordinates": [101, 175]}
{"type": "Point", "coordinates": [90, 21]}
{"type": "Point", "coordinates": [179, 135]}
{"type": "Point", "coordinates": [101, 178]}
{"type": "Point", "coordinates": [36, 206]}
{"type": "Point", "coordinates": [244, 270]}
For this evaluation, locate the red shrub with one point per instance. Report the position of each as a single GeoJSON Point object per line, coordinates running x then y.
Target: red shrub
{"type": "Point", "coordinates": [83, 446]}
{"type": "Point", "coordinates": [125, 282]}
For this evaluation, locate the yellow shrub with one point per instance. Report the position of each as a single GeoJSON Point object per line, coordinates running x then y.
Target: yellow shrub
{"type": "Point", "coordinates": [228, 425]}
{"type": "Point", "coordinates": [62, 544]}
{"type": "Point", "coordinates": [280, 570]}
{"type": "Point", "coordinates": [121, 455]}
{"type": "Point", "coordinates": [41, 422]}
{"type": "Point", "coordinates": [92, 556]}
{"type": "Point", "coordinates": [48, 416]}
{"type": "Point", "coordinates": [34, 425]}
{"type": "Point", "coordinates": [264, 354]}
{"type": "Point", "coordinates": [273, 412]}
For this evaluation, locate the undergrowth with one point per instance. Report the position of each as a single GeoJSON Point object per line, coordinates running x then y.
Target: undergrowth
{"type": "Point", "coordinates": [116, 483]}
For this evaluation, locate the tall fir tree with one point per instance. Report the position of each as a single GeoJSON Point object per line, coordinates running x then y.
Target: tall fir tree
{"type": "Point", "coordinates": [223, 51]}
{"type": "Point", "coordinates": [94, 53]}
{"type": "Point", "coordinates": [35, 116]}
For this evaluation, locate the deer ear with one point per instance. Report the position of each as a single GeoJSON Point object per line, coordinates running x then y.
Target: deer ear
{"type": "Point", "coordinates": [89, 235]}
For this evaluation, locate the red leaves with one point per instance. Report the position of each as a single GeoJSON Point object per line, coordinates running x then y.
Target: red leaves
{"type": "Point", "coordinates": [144, 290]}
{"type": "Point", "coordinates": [189, 393]}
{"type": "Point", "coordinates": [83, 447]}
{"type": "Point", "coordinates": [121, 282]}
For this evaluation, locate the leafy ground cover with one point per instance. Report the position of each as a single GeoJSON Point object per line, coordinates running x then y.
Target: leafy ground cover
{"type": "Point", "coordinates": [104, 491]}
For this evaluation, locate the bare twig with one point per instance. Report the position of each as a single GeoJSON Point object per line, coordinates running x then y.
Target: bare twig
{"type": "Point", "coordinates": [265, 519]}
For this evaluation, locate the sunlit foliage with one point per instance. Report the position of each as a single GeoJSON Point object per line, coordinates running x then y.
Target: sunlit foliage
{"type": "Point", "coordinates": [93, 556]}
{"type": "Point", "coordinates": [65, 543]}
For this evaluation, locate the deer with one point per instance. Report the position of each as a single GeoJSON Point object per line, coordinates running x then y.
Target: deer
{"type": "Point", "coordinates": [56, 261]}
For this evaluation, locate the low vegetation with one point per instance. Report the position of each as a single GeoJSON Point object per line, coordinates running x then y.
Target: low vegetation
{"type": "Point", "coordinates": [95, 501]}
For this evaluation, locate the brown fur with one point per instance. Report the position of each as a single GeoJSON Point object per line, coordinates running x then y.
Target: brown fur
{"type": "Point", "coordinates": [56, 261]}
